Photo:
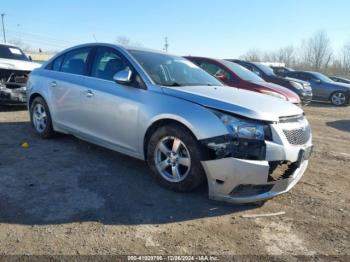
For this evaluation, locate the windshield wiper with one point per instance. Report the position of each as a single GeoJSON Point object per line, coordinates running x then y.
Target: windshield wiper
{"type": "Point", "coordinates": [172, 84]}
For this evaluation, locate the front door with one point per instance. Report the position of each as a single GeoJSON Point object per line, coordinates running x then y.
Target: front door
{"type": "Point", "coordinates": [110, 110]}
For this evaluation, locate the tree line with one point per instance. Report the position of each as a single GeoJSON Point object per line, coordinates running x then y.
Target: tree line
{"type": "Point", "coordinates": [315, 53]}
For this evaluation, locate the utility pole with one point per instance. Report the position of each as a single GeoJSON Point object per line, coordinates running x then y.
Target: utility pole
{"type": "Point", "coordinates": [166, 44]}
{"type": "Point", "coordinates": [3, 26]}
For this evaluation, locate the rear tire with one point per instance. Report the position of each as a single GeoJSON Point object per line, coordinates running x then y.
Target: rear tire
{"type": "Point", "coordinates": [40, 118]}
{"type": "Point", "coordinates": [174, 156]}
{"type": "Point", "coordinates": [339, 98]}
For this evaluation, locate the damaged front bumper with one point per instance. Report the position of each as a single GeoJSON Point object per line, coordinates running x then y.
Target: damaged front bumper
{"type": "Point", "coordinates": [13, 95]}
{"type": "Point", "coordinates": [238, 180]}
{"type": "Point", "coordinates": [13, 86]}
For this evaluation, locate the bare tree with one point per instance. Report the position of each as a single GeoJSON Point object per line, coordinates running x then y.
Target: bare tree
{"type": "Point", "coordinates": [123, 40]}
{"type": "Point", "coordinates": [282, 55]}
{"type": "Point", "coordinates": [286, 55]}
{"type": "Point", "coordinates": [345, 59]}
{"type": "Point", "coordinates": [317, 51]}
{"type": "Point", "coordinates": [253, 55]}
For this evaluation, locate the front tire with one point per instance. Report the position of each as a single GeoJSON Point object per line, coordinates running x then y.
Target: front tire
{"type": "Point", "coordinates": [41, 118]}
{"type": "Point", "coordinates": [338, 98]}
{"type": "Point", "coordinates": [174, 156]}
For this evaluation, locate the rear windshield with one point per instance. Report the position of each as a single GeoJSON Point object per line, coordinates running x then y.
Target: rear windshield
{"type": "Point", "coordinates": [243, 72]}
{"type": "Point", "coordinates": [9, 52]}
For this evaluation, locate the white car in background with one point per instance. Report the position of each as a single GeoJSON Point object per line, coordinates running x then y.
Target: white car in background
{"type": "Point", "coordinates": [15, 67]}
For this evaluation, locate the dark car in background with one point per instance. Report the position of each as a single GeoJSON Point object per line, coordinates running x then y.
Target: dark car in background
{"type": "Point", "coordinates": [232, 74]}
{"type": "Point", "coordinates": [324, 88]}
{"type": "Point", "coordinates": [340, 79]}
{"type": "Point", "coordinates": [281, 70]}
{"type": "Point", "coordinates": [302, 88]}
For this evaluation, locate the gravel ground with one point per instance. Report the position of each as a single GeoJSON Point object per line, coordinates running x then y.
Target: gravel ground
{"type": "Point", "coordinates": [66, 196]}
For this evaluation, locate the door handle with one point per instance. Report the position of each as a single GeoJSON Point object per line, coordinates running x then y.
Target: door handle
{"type": "Point", "coordinates": [89, 93]}
{"type": "Point", "coordinates": [53, 84]}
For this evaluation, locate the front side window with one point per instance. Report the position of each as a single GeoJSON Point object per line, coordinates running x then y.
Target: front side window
{"type": "Point", "coordinates": [107, 63]}
{"type": "Point", "coordinates": [215, 70]}
{"type": "Point", "coordinates": [321, 77]}
{"type": "Point", "coordinates": [305, 77]}
{"type": "Point", "coordinates": [168, 70]}
{"type": "Point", "coordinates": [293, 75]}
{"type": "Point", "coordinates": [75, 61]}
{"type": "Point", "coordinates": [56, 65]}
{"type": "Point", "coordinates": [11, 52]}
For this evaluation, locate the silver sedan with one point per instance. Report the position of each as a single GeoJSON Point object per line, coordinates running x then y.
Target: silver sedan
{"type": "Point", "coordinates": [165, 110]}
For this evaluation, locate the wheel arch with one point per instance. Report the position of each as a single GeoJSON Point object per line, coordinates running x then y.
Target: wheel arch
{"type": "Point", "coordinates": [347, 94]}
{"type": "Point", "coordinates": [32, 97]}
{"type": "Point", "coordinates": [160, 123]}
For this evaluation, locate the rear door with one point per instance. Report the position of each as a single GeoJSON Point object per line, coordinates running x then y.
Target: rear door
{"type": "Point", "coordinates": [65, 84]}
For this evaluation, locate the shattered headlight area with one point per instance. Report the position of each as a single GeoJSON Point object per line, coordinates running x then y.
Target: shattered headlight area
{"type": "Point", "coordinates": [228, 146]}
{"type": "Point", "coordinates": [13, 85]}
{"type": "Point", "coordinates": [246, 139]}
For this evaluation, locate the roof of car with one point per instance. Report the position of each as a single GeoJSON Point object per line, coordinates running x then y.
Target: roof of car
{"type": "Point", "coordinates": [203, 57]}
{"type": "Point", "coordinates": [126, 47]}
{"type": "Point", "coordinates": [302, 71]}
{"type": "Point", "coordinates": [6, 45]}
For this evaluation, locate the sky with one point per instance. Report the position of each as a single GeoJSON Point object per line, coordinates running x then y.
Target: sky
{"type": "Point", "coordinates": [221, 28]}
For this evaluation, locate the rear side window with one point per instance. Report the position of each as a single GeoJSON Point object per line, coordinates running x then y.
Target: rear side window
{"type": "Point", "coordinates": [75, 61]}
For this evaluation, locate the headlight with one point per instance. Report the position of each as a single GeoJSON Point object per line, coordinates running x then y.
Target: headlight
{"type": "Point", "coordinates": [271, 93]}
{"type": "Point", "coordinates": [240, 128]}
{"type": "Point", "coordinates": [307, 87]}
{"type": "Point", "coordinates": [246, 139]}
{"type": "Point", "coordinates": [296, 85]}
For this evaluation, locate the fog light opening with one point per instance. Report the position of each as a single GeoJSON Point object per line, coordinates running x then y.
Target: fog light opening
{"type": "Point", "coordinates": [220, 182]}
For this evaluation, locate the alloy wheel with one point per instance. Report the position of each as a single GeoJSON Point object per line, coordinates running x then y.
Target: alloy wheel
{"type": "Point", "coordinates": [338, 99]}
{"type": "Point", "coordinates": [39, 118]}
{"type": "Point", "coordinates": [172, 159]}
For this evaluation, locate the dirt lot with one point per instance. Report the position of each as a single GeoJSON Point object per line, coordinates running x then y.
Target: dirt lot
{"type": "Point", "coordinates": [66, 196]}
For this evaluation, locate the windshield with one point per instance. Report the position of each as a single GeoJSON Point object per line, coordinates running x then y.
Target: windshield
{"type": "Point", "coordinates": [322, 77]}
{"type": "Point", "coordinates": [168, 70]}
{"type": "Point", "coordinates": [10, 52]}
{"type": "Point", "coordinates": [267, 70]}
{"type": "Point", "coordinates": [242, 72]}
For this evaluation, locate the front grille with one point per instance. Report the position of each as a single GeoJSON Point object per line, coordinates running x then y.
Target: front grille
{"type": "Point", "coordinates": [299, 136]}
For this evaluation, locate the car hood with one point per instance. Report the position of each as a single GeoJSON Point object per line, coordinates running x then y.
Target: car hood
{"type": "Point", "coordinates": [13, 64]}
{"type": "Point", "coordinates": [339, 84]}
{"type": "Point", "coordinates": [237, 101]}
{"type": "Point", "coordinates": [291, 96]}
{"type": "Point", "coordinates": [295, 80]}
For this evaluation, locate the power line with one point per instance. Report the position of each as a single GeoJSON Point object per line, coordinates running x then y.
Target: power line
{"type": "Point", "coordinates": [47, 38]}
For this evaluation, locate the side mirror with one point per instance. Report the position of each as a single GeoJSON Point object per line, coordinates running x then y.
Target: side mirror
{"type": "Point", "coordinates": [123, 77]}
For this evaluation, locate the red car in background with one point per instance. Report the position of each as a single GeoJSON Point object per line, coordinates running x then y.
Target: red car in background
{"type": "Point", "coordinates": [235, 75]}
